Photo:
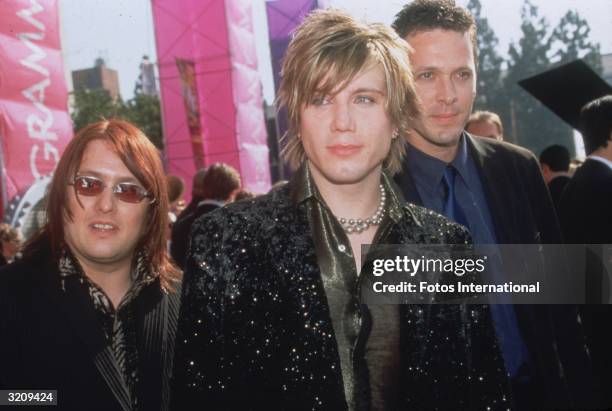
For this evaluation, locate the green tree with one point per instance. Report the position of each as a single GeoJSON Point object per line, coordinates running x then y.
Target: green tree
{"type": "Point", "coordinates": [530, 123]}
{"type": "Point", "coordinates": [570, 41]}
{"type": "Point", "coordinates": [534, 125]}
{"type": "Point", "coordinates": [144, 111]}
{"type": "Point", "coordinates": [93, 105]}
{"type": "Point", "coordinates": [490, 93]}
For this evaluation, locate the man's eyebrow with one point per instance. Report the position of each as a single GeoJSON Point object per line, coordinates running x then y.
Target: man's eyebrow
{"type": "Point", "coordinates": [421, 68]}
{"type": "Point", "coordinates": [369, 90]}
{"type": "Point", "coordinates": [435, 68]}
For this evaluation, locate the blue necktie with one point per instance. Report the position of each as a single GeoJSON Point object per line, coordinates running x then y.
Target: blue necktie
{"type": "Point", "coordinates": [452, 209]}
{"type": "Point", "coordinates": [513, 349]}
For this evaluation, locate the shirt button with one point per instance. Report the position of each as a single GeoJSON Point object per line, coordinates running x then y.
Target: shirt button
{"type": "Point", "coordinates": [342, 248]}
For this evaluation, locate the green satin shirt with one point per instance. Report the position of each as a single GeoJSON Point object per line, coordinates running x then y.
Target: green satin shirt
{"type": "Point", "coordinates": [367, 336]}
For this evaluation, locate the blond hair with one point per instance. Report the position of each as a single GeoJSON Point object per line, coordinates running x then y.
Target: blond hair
{"type": "Point", "coordinates": [327, 51]}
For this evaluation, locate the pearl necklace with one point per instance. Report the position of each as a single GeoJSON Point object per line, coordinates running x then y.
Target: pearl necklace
{"type": "Point", "coordinates": [352, 226]}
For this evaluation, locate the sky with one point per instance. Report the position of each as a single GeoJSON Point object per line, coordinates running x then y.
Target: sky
{"type": "Point", "coordinates": [121, 31]}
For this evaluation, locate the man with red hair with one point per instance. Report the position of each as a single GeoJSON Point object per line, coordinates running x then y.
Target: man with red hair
{"type": "Point", "coordinates": [90, 311]}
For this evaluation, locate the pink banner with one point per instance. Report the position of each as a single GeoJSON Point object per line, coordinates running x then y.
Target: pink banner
{"type": "Point", "coordinates": [209, 33]}
{"type": "Point", "coordinates": [251, 132]}
{"type": "Point", "coordinates": [34, 122]}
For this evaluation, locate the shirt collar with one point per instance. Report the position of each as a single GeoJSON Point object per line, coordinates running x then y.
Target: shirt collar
{"type": "Point", "coordinates": [69, 267]}
{"type": "Point", "coordinates": [303, 188]}
{"type": "Point", "coordinates": [302, 185]}
{"type": "Point", "coordinates": [428, 171]}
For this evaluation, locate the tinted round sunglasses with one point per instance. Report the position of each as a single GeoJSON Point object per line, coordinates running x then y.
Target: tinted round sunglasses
{"type": "Point", "coordinates": [127, 192]}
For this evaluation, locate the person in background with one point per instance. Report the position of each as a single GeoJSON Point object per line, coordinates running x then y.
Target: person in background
{"type": "Point", "coordinates": [555, 163]}
{"type": "Point", "coordinates": [586, 215]}
{"type": "Point", "coordinates": [485, 124]}
{"type": "Point", "coordinates": [197, 188]}
{"type": "Point", "coordinates": [220, 184]}
{"type": "Point", "coordinates": [10, 243]}
{"type": "Point", "coordinates": [272, 315]}
{"type": "Point", "coordinates": [91, 308]}
{"type": "Point", "coordinates": [586, 218]}
{"type": "Point", "coordinates": [176, 188]}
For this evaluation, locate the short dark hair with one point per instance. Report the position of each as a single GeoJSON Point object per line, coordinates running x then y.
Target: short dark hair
{"type": "Point", "coordinates": [427, 15]}
{"type": "Point", "coordinates": [557, 157]}
{"type": "Point", "coordinates": [197, 185]}
{"type": "Point", "coordinates": [596, 123]}
{"type": "Point", "coordinates": [219, 182]}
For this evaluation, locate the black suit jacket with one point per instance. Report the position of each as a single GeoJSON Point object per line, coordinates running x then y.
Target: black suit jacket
{"type": "Point", "coordinates": [522, 213]}
{"type": "Point", "coordinates": [255, 330]}
{"type": "Point", "coordinates": [556, 187]}
{"type": "Point", "coordinates": [181, 230]}
{"type": "Point", "coordinates": [50, 339]}
{"type": "Point", "coordinates": [586, 205]}
{"type": "Point", "coordinates": [586, 218]}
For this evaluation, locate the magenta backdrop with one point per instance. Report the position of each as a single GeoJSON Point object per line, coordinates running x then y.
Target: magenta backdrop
{"type": "Point", "coordinates": [34, 122]}
{"type": "Point", "coordinates": [217, 36]}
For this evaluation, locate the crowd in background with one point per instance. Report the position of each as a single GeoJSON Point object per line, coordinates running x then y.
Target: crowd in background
{"type": "Point", "coordinates": [249, 301]}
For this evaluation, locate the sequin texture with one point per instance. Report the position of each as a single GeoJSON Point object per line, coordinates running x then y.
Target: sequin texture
{"type": "Point", "coordinates": [255, 330]}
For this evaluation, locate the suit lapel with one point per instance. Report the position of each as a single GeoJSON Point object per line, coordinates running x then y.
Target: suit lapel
{"type": "Point", "coordinates": [79, 311]}
{"type": "Point", "coordinates": [494, 178]}
{"type": "Point", "coordinates": [406, 184]}
{"type": "Point", "coordinates": [160, 329]}
{"type": "Point", "coordinates": [303, 278]}
{"type": "Point", "coordinates": [306, 295]}
{"type": "Point", "coordinates": [160, 315]}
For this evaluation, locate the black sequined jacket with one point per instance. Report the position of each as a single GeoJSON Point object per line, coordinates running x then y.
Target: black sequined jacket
{"type": "Point", "coordinates": [255, 331]}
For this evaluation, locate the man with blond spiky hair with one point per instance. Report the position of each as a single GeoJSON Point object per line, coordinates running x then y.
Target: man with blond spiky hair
{"type": "Point", "coordinates": [272, 317]}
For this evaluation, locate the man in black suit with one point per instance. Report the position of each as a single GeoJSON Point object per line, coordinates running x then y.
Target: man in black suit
{"type": "Point", "coordinates": [586, 206]}
{"type": "Point", "coordinates": [217, 187]}
{"type": "Point", "coordinates": [586, 218]}
{"type": "Point", "coordinates": [555, 162]}
{"type": "Point", "coordinates": [493, 188]}
{"type": "Point", "coordinates": [91, 308]}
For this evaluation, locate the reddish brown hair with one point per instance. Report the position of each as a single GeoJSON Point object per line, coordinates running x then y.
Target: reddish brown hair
{"type": "Point", "coordinates": [142, 159]}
